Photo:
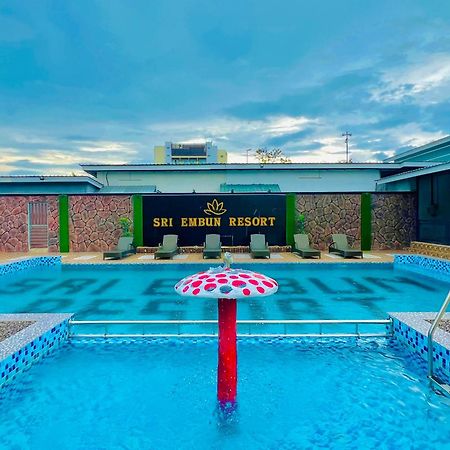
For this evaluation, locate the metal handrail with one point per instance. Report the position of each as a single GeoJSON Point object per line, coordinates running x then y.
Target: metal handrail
{"type": "Point", "coordinates": [431, 332]}
{"type": "Point", "coordinates": [194, 322]}
{"type": "Point", "coordinates": [179, 323]}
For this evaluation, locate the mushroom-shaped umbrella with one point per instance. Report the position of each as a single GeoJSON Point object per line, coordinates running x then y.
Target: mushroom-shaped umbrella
{"type": "Point", "coordinates": [226, 285]}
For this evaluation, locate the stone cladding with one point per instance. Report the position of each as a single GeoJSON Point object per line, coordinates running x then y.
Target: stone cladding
{"type": "Point", "coordinates": [327, 214]}
{"type": "Point", "coordinates": [14, 222]}
{"type": "Point", "coordinates": [393, 220]}
{"type": "Point", "coordinates": [94, 221]}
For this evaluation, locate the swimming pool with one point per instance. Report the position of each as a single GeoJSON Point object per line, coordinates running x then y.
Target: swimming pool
{"type": "Point", "coordinates": [161, 394]}
{"type": "Point", "coordinates": [137, 292]}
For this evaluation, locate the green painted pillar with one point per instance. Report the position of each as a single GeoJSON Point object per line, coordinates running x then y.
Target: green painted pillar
{"type": "Point", "coordinates": [138, 221]}
{"type": "Point", "coordinates": [366, 221]}
{"type": "Point", "coordinates": [290, 218]}
{"type": "Point", "coordinates": [64, 240]}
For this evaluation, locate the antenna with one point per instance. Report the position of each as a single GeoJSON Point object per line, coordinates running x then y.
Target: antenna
{"type": "Point", "coordinates": [347, 135]}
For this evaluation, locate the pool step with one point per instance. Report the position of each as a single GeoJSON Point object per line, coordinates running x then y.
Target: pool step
{"type": "Point", "coordinates": [442, 386]}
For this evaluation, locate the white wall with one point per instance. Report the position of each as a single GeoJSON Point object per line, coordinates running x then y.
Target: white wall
{"type": "Point", "coordinates": [178, 181]}
{"type": "Point", "coordinates": [326, 180]}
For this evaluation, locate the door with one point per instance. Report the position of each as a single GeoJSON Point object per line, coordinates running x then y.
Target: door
{"type": "Point", "coordinates": [38, 229]}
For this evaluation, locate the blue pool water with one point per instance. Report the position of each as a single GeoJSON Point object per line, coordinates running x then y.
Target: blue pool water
{"type": "Point", "coordinates": [307, 291]}
{"type": "Point", "coordinates": [161, 394]}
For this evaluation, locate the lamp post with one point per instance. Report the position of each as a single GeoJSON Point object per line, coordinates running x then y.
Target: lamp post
{"type": "Point", "coordinates": [347, 135]}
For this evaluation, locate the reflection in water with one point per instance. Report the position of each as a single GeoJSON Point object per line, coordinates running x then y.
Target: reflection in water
{"type": "Point", "coordinates": [298, 307]}
{"type": "Point", "coordinates": [227, 419]}
{"type": "Point", "coordinates": [306, 292]}
{"type": "Point", "coordinates": [60, 304]}
{"type": "Point", "coordinates": [99, 307]}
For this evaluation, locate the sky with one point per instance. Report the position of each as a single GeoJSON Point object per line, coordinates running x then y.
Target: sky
{"type": "Point", "coordinates": [89, 81]}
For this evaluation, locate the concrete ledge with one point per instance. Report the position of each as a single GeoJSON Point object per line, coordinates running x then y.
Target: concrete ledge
{"type": "Point", "coordinates": [18, 352]}
{"type": "Point", "coordinates": [234, 249]}
{"type": "Point", "coordinates": [412, 330]}
{"type": "Point", "coordinates": [436, 250]}
{"type": "Point", "coordinates": [28, 262]}
{"type": "Point", "coordinates": [434, 267]}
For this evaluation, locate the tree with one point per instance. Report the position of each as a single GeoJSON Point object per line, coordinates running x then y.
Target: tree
{"type": "Point", "coordinates": [270, 156]}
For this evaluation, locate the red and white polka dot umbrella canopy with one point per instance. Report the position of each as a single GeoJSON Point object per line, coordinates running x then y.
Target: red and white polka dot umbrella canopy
{"type": "Point", "coordinates": [226, 283]}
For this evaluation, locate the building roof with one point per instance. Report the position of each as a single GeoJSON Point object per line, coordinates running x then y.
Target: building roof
{"type": "Point", "coordinates": [415, 173]}
{"type": "Point", "coordinates": [425, 152]}
{"type": "Point", "coordinates": [238, 188]}
{"type": "Point", "coordinates": [50, 179]}
{"type": "Point", "coordinates": [94, 168]}
{"type": "Point", "coordinates": [145, 189]}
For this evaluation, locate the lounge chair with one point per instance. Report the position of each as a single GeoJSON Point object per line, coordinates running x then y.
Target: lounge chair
{"type": "Point", "coordinates": [169, 247]}
{"type": "Point", "coordinates": [258, 246]}
{"type": "Point", "coordinates": [302, 247]}
{"type": "Point", "coordinates": [124, 248]}
{"type": "Point", "coordinates": [212, 248]}
{"type": "Point", "coordinates": [341, 247]}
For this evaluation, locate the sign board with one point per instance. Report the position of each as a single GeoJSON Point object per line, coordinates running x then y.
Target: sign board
{"type": "Point", "coordinates": [234, 216]}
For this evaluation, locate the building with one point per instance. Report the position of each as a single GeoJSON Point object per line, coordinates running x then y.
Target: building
{"type": "Point", "coordinates": [189, 153]}
{"type": "Point", "coordinates": [215, 178]}
{"type": "Point", "coordinates": [48, 184]}
{"type": "Point", "coordinates": [380, 205]}
{"type": "Point", "coordinates": [431, 185]}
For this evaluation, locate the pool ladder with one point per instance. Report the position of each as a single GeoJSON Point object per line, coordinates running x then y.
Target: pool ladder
{"type": "Point", "coordinates": [435, 381]}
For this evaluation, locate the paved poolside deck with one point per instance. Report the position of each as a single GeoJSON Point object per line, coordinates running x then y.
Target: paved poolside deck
{"type": "Point", "coordinates": [143, 258]}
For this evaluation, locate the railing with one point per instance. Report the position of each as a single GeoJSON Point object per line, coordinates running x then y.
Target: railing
{"type": "Point", "coordinates": [245, 328]}
{"type": "Point", "coordinates": [433, 379]}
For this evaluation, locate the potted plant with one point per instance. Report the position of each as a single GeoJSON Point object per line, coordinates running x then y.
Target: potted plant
{"type": "Point", "coordinates": [125, 224]}
{"type": "Point", "coordinates": [300, 223]}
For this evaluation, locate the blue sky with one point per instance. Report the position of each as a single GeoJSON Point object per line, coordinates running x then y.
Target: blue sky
{"type": "Point", "coordinates": [105, 81]}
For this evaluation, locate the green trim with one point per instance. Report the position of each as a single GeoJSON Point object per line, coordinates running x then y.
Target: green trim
{"type": "Point", "coordinates": [366, 221]}
{"type": "Point", "coordinates": [138, 221]}
{"type": "Point", "coordinates": [64, 240]}
{"type": "Point", "coordinates": [290, 218]}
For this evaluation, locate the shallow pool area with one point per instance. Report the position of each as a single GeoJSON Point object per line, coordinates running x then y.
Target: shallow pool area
{"type": "Point", "coordinates": [137, 292]}
{"type": "Point", "coordinates": [161, 394]}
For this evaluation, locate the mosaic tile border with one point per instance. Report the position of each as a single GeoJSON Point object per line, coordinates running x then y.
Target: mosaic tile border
{"type": "Point", "coordinates": [16, 266]}
{"type": "Point", "coordinates": [423, 264]}
{"type": "Point", "coordinates": [20, 351]}
{"type": "Point", "coordinates": [428, 249]}
{"type": "Point", "coordinates": [412, 330]}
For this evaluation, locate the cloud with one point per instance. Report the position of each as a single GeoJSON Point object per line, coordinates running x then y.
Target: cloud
{"type": "Point", "coordinates": [39, 154]}
{"type": "Point", "coordinates": [424, 80]}
{"type": "Point", "coordinates": [231, 131]}
{"type": "Point", "coordinates": [286, 138]}
{"type": "Point", "coordinates": [106, 81]}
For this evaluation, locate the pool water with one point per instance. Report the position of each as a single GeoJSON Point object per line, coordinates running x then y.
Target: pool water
{"type": "Point", "coordinates": [342, 394]}
{"type": "Point", "coordinates": [306, 291]}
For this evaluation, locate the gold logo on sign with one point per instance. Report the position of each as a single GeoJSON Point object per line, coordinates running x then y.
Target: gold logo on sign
{"type": "Point", "coordinates": [215, 208]}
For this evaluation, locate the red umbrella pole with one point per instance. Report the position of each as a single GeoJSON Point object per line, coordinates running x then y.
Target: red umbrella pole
{"type": "Point", "coordinates": [227, 370]}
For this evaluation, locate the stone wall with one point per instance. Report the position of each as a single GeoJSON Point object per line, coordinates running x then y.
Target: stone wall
{"type": "Point", "coordinates": [393, 220]}
{"type": "Point", "coordinates": [94, 221]}
{"type": "Point", "coordinates": [14, 222]}
{"type": "Point", "coordinates": [327, 214]}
